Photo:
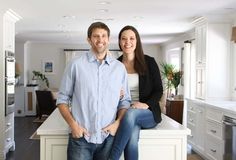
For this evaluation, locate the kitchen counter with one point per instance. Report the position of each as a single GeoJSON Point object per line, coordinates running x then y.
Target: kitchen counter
{"type": "Point", "coordinates": [228, 107]}
{"type": "Point", "coordinates": [167, 141]}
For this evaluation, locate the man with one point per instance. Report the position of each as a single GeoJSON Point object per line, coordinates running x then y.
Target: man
{"type": "Point", "coordinates": [92, 84]}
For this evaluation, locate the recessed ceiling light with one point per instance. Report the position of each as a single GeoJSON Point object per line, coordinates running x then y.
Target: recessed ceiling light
{"type": "Point", "coordinates": [104, 2]}
{"type": "Point", "coordinates": [61, 26]}
{"type": "Point", "coordinates": [138, 17]}
{"type": "Point", "coordinates": [103, 19]}
{"type": "Point", "coordinates": [69, 17]}
{"type": "Point", "coordinates": [103, 10]}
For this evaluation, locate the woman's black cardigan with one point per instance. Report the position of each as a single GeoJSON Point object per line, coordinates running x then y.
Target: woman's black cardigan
{"type": "Point", "coordinates": [150, 87]}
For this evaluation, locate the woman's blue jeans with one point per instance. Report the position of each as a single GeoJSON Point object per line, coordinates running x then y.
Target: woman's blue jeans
{"type": "Point", "coordinates": [80, 149]}
{"type": "Point", "coordinates": [127, 135]}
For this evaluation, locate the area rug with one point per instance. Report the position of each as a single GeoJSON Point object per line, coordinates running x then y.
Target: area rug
{"type": "Point", "coordinates": [43, 118]}
{"type": "Point", "coordinates": [34, 136]}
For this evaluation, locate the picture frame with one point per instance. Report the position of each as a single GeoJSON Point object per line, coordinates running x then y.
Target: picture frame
{"type": "Point", "coordinates": [48, 67]}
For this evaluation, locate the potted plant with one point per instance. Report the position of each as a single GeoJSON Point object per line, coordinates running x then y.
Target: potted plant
{"type": "Point", "coordinates": [37, 75]}
{"type": "Point", "coordinates": [172, 77]}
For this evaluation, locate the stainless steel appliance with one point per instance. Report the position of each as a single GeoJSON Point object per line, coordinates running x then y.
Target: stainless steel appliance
{"type": "Point", "coordinates": [9, 82]}
{"type": "Point", "coordinates": [230, 138]}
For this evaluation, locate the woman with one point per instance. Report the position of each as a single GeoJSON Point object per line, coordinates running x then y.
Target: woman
{"type": "Point", "coordinates": [146, 90]}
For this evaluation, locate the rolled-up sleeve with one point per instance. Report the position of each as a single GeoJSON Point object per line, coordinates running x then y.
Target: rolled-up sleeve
{"type": "Point", "coordinates": [66, 87]}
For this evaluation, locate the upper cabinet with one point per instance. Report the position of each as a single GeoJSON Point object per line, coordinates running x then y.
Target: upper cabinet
{"type": "Point", "coordinates": [9, 20]}
{"type": "Point", "coordinates": [200, 33]}
{"type": "Point", "coordinates": [212, 59]}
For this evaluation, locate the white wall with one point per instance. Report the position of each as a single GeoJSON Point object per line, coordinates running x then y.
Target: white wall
{"type": "Point", "coordinates": [20, 59]}
{"type": "Point", "coordinates": [177, 42]}
{"type": "Point", "coordinates": [154, 51]}
{"type": "Point", "coordinates": [36, 53]}
{"type": "Point", "coordinates": [233, 66]}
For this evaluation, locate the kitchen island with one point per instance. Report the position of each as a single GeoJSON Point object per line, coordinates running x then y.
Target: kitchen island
{"type": "Point", "coordinates": [167, 141]}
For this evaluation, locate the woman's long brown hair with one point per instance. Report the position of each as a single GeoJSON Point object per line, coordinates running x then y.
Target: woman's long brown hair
{"type": "Point", "coordinates": [139, 61]}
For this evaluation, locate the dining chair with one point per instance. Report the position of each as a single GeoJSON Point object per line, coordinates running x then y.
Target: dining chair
{"type": "Point", "coordinates": [45, 102]}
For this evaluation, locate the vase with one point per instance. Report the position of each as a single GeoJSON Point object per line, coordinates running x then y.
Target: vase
{"type": "Point", "coordinates": [176, 91]}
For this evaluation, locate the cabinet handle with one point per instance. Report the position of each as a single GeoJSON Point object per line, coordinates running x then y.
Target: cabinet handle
{"type": "Point", "coordinates": [213, 150]}
{"type": "Point", "coordinates": [8, 139]}
{"type": "Point", "coordinates": [9, 124]}
{"type": "Point", "coordinates": [213, 131]}
{"type": "Point", "coordinates": [191, 136]}
{"type": "Point", "coordinates": [191, 120]}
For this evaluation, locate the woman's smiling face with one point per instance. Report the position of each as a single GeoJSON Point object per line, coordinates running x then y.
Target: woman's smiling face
{"type": "Point", "coordinates": [128, 41]}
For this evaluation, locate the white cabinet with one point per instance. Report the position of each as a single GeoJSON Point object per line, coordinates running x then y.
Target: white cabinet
{"type": "Point", "coordinates": [9, 32]}
{"type": "Point", "coordinates": [200, 82]}
{"type": "Point", "coordinates": [9, 133]}
{"type": "Point", "coordinates": [167, 141]}
{"type": "Point", "coordinates": [204, 118]}
{"type": "Point", "coordinates": [214, 133]}
{"type": "Point", "coordinates": [196, 122]}
{"type": "Point", "coordinates": [212, 60]}
{"type": "Point", "coordinates": [53, 147]}
{"type": "Point", "coordinates": [200, 33]}
{"type": "Point", "coordinates": [30, 101]}
{"type": "Point", "coordinates": [7, 128]}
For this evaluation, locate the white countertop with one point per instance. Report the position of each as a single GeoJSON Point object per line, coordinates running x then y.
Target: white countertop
{"type": "Point", "coordinates": [223, 105]}
{"type": "Point", "coordinates": [56, 125]}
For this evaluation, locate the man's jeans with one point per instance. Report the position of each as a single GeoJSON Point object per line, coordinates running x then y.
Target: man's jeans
{"type": "Point", "coordinates": [127, 136]}
{"type": "Point", "coordinates": [80, 149]}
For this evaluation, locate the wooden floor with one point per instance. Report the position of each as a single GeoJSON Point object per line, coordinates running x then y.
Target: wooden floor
{"type": "Point", "coordinates": [28, 149]}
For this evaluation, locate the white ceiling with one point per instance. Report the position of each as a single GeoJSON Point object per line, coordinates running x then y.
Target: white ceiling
{"type": "Point", "coordinates": [156, 20]}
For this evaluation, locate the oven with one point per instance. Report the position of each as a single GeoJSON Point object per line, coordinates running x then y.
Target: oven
{"type": "Point", "coordinates": [230, 138]}
{"type": "Point", "coordinates": [9, 65]}
{"type": "Point", "coordinates": [9, 82]}
{"type": "Point", "coordinates": [9, 96]}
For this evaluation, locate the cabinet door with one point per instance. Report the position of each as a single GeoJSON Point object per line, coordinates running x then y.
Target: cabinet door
{"type": "Point", "coordinates": [9, 133]}
{"type": "Point", "coordinates": [200, 82]}
{"type": "Point", "coordinates": [174, 110]}
{"type": "Point", "coordinates": [196, 122]}
{"type": "Point", "coordinates": [191, 122]}
{"type": "Point", "coordinates": [201, 45]}
{"type": "Point", "coordinates": [9, 33]}
{"type": "Point", "coordinates": [200, 127]}
{"type": "Point", "coordinates": [53, 147]}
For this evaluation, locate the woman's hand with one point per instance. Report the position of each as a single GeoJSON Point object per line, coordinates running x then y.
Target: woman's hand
{"type": "Point", "coordinates": [122, 93]}
{"type": "Point", "coordinates": [112, 128]}
{"type": "Point", "coordinates": [139, 105]}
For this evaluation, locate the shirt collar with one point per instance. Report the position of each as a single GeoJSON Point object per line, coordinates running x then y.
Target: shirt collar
{"type": "Point", "coordinates": [91, 57]}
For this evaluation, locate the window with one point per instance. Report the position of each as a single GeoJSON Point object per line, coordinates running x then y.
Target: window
{"type": "Point", "coordinates": [174, 57]}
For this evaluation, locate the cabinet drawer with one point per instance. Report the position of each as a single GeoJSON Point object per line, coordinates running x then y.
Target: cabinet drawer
{"type": "Point", "coordinates": [214, 129]}
{"type": "Point", "coordinates": [9, 121]}
{"type": "Point", "coordinates": [191, 118]}
{"type": "Point", "coordinates": [191, 108]}
{"type": "Point", "coordinates": [9, 137]}
{"type": "Point", "coordinates": [214, 115]}
{"type": "Point", "coordinates": [214, 148]}
{"type": "Point", "coordinates": [191, 138]}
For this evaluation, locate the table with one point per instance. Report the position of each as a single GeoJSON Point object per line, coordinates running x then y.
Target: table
{"type": "Point", "coordinates": [174, 109]}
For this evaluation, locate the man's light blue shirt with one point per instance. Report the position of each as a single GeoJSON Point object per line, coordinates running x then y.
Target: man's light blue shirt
{"type": "Point", "coordinates": [93, 89]}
